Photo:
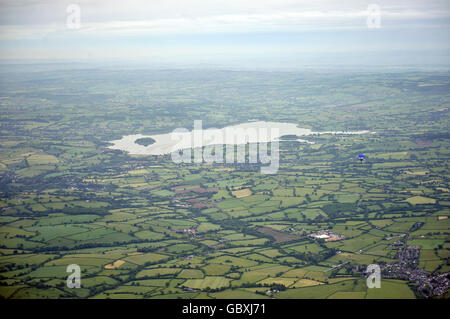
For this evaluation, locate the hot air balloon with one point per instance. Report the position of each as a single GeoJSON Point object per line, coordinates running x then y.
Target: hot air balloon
{"type": "Point", "coordinates": [361, 157]}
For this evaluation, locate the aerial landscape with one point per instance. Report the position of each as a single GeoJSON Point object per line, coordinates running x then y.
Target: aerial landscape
{"type": "Point", "coordinates": [87, 178]}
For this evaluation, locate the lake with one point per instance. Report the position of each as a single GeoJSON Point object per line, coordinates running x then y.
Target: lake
{"type": "Point", "coordinates": [170, 142]}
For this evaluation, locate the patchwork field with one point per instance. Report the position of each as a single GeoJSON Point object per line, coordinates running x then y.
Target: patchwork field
{"type": "Point", "coordinates": [144, 226]}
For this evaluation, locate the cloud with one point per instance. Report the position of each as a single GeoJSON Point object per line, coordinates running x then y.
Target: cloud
{"type": "Point", "coordinates": [207, 20]}
{"type": "Point", "coordinates": [30, 19]}
{"type": "Point", "coordinates": [196, 28]}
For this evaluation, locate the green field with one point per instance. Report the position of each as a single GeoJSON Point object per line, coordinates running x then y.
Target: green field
{"type": "Point", "coordinates": [144, 226]}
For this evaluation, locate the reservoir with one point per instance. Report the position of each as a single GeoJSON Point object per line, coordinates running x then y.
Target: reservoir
{"type": "Point", "coordinates": [263, 132]}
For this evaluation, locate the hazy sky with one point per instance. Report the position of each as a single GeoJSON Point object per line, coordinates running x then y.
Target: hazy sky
{"type": "Point", "coordinates": [280, 33]}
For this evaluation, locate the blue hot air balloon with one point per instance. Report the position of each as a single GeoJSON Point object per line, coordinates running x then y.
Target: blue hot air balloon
{"type": "Point", "coordinates": [361, 157]}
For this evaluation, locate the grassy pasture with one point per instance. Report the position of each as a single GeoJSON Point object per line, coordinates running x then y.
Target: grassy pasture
{"type": "Point", "coordinates": [419, 200]}
{"type": "Point", "coordinates": [142, 259]}
{"type": "Point", "coordinates": [212, 282]}
{"type": "Point", "coordinates": [156, 272]}
{"type": "Point", "coordinates": [190, 274]}
{"type": "Point", "coordinates": [391, 289]}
